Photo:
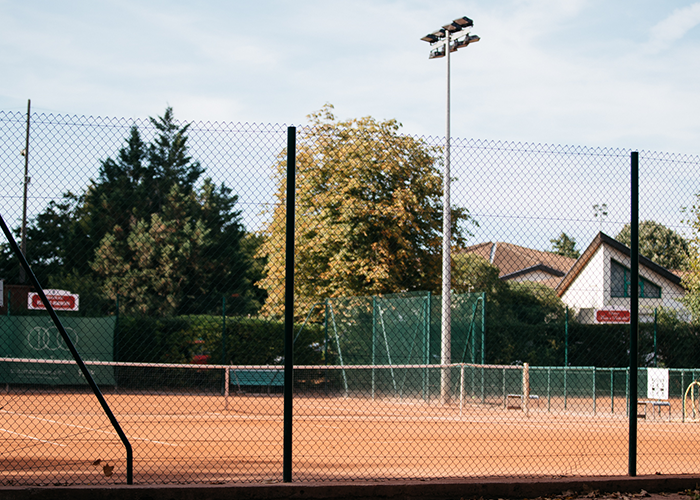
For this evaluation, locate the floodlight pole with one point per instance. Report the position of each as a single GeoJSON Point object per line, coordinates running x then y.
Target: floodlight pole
{"type": "Point", "coordinates": [446, 316]}
{"type": "Point", "coordinates": [443, 41]}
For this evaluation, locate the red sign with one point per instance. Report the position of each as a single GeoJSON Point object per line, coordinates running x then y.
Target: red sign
{"type": "Point", "coordinates": [612, 316]}
{"type": "Point", "coordinates": [60, 300]}
{"type": "Point", "coordinates": [200, 359]}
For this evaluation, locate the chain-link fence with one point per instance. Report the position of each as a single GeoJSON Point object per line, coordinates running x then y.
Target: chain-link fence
{"type": "Point", "coordinates": [161, 245]}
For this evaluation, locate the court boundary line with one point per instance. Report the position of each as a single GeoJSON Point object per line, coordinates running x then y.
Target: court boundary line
{"type": "Point", "coordinates": [33, 438]}
{"type": "Point", "coordinates": [84, 428]}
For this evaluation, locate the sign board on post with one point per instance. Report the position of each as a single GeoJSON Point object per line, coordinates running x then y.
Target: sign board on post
{"type": "Point", "coordinates": [657, 383]}
{"type": "Point", "coordinates": [612, 316]}
{"type": "Point", "coordinates": [60, 300]}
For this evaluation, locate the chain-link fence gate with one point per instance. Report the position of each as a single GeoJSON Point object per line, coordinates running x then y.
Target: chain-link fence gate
{"type": "Point", "coordinates": [162, 247]}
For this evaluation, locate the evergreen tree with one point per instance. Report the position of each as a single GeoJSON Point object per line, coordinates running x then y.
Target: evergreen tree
{"type": "Point", "coordinates": [563, 245]}
{"type": "Point", "coordinates": [150, 230]}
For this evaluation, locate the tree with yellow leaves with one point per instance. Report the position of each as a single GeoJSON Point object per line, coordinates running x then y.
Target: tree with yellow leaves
{"type": "Point", "coordinates": [691, 278]}
{"type": "Point", "coordinates": [368, 214]}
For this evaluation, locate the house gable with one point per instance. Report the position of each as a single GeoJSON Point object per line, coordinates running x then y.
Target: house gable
{"type": "Point", "coordinates": [588, 285]}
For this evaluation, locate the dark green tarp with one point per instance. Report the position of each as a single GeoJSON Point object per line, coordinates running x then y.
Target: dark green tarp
{"type": "Point", "coordinates": [36, 337]}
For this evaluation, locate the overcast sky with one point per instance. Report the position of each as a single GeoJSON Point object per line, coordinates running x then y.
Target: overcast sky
{"type": "Point", "coordinates": [620, 73]}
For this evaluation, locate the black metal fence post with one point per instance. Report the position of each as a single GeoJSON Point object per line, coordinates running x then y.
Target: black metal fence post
{"type": "Point", "coordinates": [289, 308]}
{"type": "Point", "coordinates": [634, 308]}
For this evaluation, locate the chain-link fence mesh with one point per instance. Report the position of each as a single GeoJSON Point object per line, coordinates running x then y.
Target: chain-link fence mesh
{"type": "Point", "coordinates": [162, 246]}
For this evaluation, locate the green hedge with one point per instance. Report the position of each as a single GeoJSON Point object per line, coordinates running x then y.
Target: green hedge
{"type": "Point", "coordinates": [510, 340]}
{"type": "Point", "coordinates": [180, 339]}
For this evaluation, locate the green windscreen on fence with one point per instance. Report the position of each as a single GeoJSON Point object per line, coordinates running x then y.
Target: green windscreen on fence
{"type": "Point", "coordinates": [36, 337]}
{"type": "Point", "coordinates": [402, 329]}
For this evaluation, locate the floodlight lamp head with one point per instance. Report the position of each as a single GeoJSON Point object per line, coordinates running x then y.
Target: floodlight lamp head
{"type": "Point", "coordinates": [437, 53]}
{"type": "Point", "coordinates": [464, 22]}
{"type": "Point", "coordinates": [452, 27]}
{"type": "Point", "coordinates": [430, 38]}
{"type": "Point", "coordinates": [463, 42]}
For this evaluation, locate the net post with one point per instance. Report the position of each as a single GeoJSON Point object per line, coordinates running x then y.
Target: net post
{"type": "Point", "coordinates": [594, 401]}
{"type": "Point", "coordinates": [526, 386]}
{"type": "Point", "coordinates": [374, 340]}
{"type": "Point", "coordinates": [682, 386]}
{"type": "Point", "coordinates": [505, 403]}
{"type": "Point", "coordinates": [461, 388]}
{"type": "Point", "coordinates": [627, 390]}
{"type": "Point", "coordinates": [227, 382]}
{"type": "Point", "coordinates": [612, 392]}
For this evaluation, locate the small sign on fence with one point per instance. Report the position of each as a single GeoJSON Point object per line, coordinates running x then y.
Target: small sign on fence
{"type": "Point", "coordinates": [612, 316]}
{"type": "Point", "coordinates": [60, 300]}
{"type": "Point", "coordinates": [657, 383]}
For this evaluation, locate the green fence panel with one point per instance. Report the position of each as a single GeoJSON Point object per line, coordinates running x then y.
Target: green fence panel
{"type": "Point", "coordinates": [36, 337]}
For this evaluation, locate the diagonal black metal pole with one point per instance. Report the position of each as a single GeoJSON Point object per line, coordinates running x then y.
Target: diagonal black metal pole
{"type": "Point", "coordinates": [634, 308]}
{"type": "Point", "coordinates": [289, 308]}
{"type": "Point", "coordinates": [73, 351]}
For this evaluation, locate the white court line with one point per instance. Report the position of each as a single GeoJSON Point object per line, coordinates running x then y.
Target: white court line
{"type": "Point", "coordinates": [86, 428]}
{"type": "Point", "coordinates": [32, 438]}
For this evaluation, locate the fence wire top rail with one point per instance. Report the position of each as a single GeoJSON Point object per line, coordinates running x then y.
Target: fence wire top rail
{"type": "Point", "coordinates": [255, 367]}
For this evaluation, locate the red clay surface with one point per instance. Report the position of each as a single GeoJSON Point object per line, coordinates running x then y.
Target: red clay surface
{"type": "Point", "coordinates": [65, 439]}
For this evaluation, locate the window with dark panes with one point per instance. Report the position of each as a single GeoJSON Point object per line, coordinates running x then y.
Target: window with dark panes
{"type": "Point", "coordinates": [620, 282]}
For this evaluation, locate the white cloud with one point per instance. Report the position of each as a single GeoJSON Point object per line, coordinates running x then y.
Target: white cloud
{"type": "Point", "coordinates": [674, 27]}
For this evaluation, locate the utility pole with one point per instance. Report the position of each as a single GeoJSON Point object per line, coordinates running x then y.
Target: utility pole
{"type": "Point", "coordinates": [25, 153]}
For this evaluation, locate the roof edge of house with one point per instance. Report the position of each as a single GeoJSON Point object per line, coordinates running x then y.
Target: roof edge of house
{"type": "Point", "coordinates": [602, 238]}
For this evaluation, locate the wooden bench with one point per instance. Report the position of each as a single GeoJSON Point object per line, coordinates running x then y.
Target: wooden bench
{"type": "Point", "coordinates": [655, 403]}
{"type": "Point", "coordinates": [257, 378]}
{"type": "Point", "coordinates": [515, 401]}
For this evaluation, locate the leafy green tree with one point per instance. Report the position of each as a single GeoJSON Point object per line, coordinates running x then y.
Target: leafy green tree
{"type": "Point", "coordinates": [525, 324]}
{"type": "Point", "coordinates": [472, 273]}
{"type": "Point", "coordinates": [691, 279]}
{"type": "Point", "coordinates": [369, 214]}
{"type": "Point", "coordinates": [563, 245]}
{"type": "Point", "coordinates": [524, 320]}
{"type": "Point", "coordinates": [659, 243]}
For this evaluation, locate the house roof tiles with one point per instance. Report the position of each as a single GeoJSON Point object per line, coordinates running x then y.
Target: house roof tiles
{"type": "Point", "coordinates": [514, 260]}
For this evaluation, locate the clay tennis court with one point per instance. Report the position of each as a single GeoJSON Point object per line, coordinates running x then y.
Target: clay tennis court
{"type": "Point", "coordinates": [61, 438]}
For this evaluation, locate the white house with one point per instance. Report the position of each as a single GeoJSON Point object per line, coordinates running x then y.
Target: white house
{"type": "Point", "coordinates": [598, 285]}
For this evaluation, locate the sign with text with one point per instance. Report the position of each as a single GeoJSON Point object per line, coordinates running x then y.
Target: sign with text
{"type": "Point", "coordinates": [657, 383]}
{"type": "Point", "coordinates": [612, 316]}
{"type": "Point", "coordinates": [60, 300]}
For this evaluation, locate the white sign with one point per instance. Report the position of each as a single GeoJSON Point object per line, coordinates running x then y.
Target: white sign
{"type": "Point", "coordinates": [657, 383]}
{"type": "Point", "coordinates": [60, 300]}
